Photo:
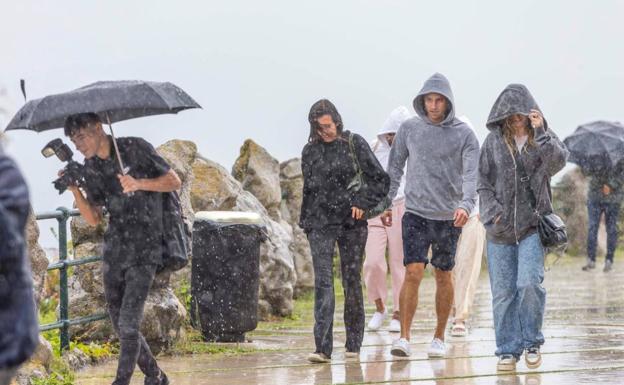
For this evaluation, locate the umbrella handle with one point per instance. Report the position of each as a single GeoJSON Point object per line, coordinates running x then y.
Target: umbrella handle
{"type": "Point", "coordinates": [124, 170]}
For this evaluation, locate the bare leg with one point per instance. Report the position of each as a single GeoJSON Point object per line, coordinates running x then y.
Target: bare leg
{"type": "Point", "coordinates": [408, 301]}
{"type": "Point", "coordinates": [380, 305]}
{"type": "Point", "coordinates": [444, 300]}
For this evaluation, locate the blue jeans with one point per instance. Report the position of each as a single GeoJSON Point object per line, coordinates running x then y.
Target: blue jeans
{"type": "Point", "coordinates": [611, 210]}
{"type": "Point", "coordinates": [518, 298]}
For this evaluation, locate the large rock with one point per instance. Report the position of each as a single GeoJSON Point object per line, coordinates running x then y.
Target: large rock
{"type": "Point", "coordinates": [215, 189]}
{"type": "Point", "coordinates": [258, 172]}
{"type": "Point", "coordinates": [570, 202]}
{"type": "Point", "coordinates": [38, 259]}
{"type": "Point", "coordinates": [39, 365]}
{"type": "Point", "coordinates": [291, 182]}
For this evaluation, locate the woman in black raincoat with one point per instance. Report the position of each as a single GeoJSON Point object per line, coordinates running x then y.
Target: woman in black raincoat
{"type": "Point", "coordinates": [517, 160]}
{"type": "Point", "coordinates": [333, 211]}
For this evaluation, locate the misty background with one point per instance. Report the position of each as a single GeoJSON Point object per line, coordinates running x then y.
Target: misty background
{"type": "Point", "coordinates": [257, 67]}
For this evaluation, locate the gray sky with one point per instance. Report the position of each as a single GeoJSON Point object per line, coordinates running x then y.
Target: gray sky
{"type": "Point", "coordinates": [256, 67]}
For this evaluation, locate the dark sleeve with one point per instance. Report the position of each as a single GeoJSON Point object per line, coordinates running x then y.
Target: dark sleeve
{"type": "Point", "coordinates": [376, 181]}
{"type": "Point", "coordinates": [15, 207]}
{"type": "Point", "coordinates": [19, 334]}
{"type": "Point", "coordinates": [306, 169]}
{"type": "Point", "coordinates": [489, 206]}
{"type": "Point", "coordinates": [94, 194]}
{"type": "Point", "coordinates": [615, 180]}
{"type": "Point", "coordinates": [155, 164]}
{"type": "Point", "coordinates": [550, 149]}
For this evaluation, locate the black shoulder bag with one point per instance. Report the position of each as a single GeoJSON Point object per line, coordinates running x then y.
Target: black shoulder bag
{"type": "Point", "coordinates": [358, 181]}
{"type": "Point", "coordinates": [551, 228]}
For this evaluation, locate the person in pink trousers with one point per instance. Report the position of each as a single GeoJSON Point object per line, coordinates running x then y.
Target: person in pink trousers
{"type": "Point", "coordinates": [381, 237]}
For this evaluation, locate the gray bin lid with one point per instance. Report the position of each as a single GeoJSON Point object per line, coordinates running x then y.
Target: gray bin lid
{"type": "Point", "coordinates": [229, 217]}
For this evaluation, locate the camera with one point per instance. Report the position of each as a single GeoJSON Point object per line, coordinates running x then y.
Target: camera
{"type": "Point", "coordinates": [72, 173]}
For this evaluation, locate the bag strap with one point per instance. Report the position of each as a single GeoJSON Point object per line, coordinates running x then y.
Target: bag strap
{"type": "Point", "coordinates": [356, 162]}
{"type": "Point", "coordinates": [523, 175]}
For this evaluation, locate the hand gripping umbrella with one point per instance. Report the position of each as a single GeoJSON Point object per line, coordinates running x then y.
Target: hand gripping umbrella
{"type": "Point", "coordinates": [113, 101]}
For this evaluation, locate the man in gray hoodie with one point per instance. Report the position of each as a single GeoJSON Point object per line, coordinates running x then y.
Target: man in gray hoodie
{"type": "Point", "coordinates": [442, 155]}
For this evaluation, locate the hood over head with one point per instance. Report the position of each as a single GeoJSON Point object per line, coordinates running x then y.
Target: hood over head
{"type": "Point", "coordinates": [515, 99]}
{"type": "Point", "coordinates": [393, 122]}
{"type": "Point", "coordinates": [438, 84]}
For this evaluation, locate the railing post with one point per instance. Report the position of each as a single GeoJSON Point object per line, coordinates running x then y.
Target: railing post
{"type": "Point", "coordinates": [64, 297]}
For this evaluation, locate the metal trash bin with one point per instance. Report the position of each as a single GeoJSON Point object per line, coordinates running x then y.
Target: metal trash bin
{"type": "Point", "coordinates": [225, 274]}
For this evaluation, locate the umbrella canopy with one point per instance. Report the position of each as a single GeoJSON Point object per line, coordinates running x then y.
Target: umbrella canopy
{"type": "Point", "coordinates": [114, 101]}
{"type": "Point", "coordinates": [596, 145]}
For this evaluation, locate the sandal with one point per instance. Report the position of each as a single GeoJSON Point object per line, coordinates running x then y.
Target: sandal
{"type": "Point", "coordinates": [459, 329]}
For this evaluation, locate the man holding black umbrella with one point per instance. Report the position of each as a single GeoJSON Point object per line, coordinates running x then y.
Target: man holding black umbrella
{"type": "Point", "coordinates": [133, 199]}
{"type": "Point", "coordinates": [598, 148]}
{"type": "Point", "coordinates": [605, 195]}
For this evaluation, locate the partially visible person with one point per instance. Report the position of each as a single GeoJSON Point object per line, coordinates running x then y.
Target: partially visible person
{"type": "Point", "coordinates": [604, 196]}
{"type": "Point", "coordinates": [518, 158]}
{"type": "Point", "coordinates": [382, 238]}
{"type": "Point", "coordinates": [19, 333]}
{"type": "Point", "coordinates": [441, 153]}
{"type": "Point", "coordinates": [332, 212]}
{"type": "Point", "coordinates": [467, 266]}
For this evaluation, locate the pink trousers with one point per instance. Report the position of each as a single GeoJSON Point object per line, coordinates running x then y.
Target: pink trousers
{"type": "Point", "coordinates": [381, 237]}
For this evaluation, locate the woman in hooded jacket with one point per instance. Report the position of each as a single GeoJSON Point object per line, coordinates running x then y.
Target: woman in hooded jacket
{"type": "Point", "coordinates": [517, 160]}
{"type": "Point", "coordinates": [333, 212]}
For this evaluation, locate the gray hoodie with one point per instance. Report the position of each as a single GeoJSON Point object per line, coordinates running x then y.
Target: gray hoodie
{"type": "Point", "coordinates": [501, 191]}
{"type": "Point", "coordinates": [441, 159]}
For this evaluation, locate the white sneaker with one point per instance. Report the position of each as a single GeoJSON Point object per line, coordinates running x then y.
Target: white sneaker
{"type": "Point", "coordinates": [437, 349]}
{"type": "Point", "coordinates": [400, 348]}
{"type": "Point", "coordinates": [318, 358]}
{"type": "Point", "coordinates": [506, 363]}
{"type": "Point", "coordinates": [395, 326]}
{"type": "Point", "coordinates": [377, 320]}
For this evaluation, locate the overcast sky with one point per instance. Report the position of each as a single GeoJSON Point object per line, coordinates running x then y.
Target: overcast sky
{"type": "Point", "coordinates": [256, 67]}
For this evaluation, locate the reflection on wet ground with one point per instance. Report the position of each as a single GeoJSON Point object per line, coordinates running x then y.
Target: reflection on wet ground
{"type": "Point", "coordinates": [584, 330]}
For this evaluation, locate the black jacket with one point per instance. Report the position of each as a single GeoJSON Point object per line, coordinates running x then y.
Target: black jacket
{"type": "Point", "coordinates": [327, 171]}
{"type": "Point", "coordinates": [19, 333]}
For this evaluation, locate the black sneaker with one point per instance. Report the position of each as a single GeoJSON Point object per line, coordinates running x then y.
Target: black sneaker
{"type": "Point", "coordinates": [608, 266]}
{"type": "Point", "coordinates": [590, 265]}
{"type": "Point", "coordinates": [160, 380]}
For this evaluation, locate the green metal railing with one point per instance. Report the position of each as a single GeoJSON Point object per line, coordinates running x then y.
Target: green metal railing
{"type": "Point", "coordinates": [63, 322]}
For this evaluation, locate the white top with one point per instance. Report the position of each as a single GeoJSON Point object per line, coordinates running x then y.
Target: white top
{"type": "Point", "coordinates": [521, 141]}
{"type": "Point", "coordinates": [380, 145]}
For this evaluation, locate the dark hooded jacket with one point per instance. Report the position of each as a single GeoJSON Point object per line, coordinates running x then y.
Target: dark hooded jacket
{"type": "Point", "coordinates": [19, 334]}
{"type": "Point", "coordinates": [327, 171]}
{"type": "Point", "coordinates": [501, 190]}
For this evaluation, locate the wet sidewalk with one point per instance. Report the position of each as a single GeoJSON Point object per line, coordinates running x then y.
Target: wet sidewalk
{"type": "Point", "coordinates": [584, 330]}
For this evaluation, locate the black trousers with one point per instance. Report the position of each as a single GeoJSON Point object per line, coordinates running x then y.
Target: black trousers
{"type": "Point", "coordinates": [351, 243]}
{"type": "Point", "coordinates": [126, 291]}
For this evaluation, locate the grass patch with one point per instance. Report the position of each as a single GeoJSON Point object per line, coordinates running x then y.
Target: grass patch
{"type": "Point", "coordinates": [303, 312]}
{"type": "Point", "coordinates": [193, 343]}
{"type": "Point", "coordinates": [60, 374]}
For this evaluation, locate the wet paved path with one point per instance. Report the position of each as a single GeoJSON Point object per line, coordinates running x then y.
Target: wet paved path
{"type": "Point", "coordinates": [584, 330]}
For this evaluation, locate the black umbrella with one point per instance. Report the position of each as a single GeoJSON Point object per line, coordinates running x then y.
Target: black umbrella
{"type": "Point", "coordinates": [114, 101]}
{"type": "Point", "coordinates": [597, 145]}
